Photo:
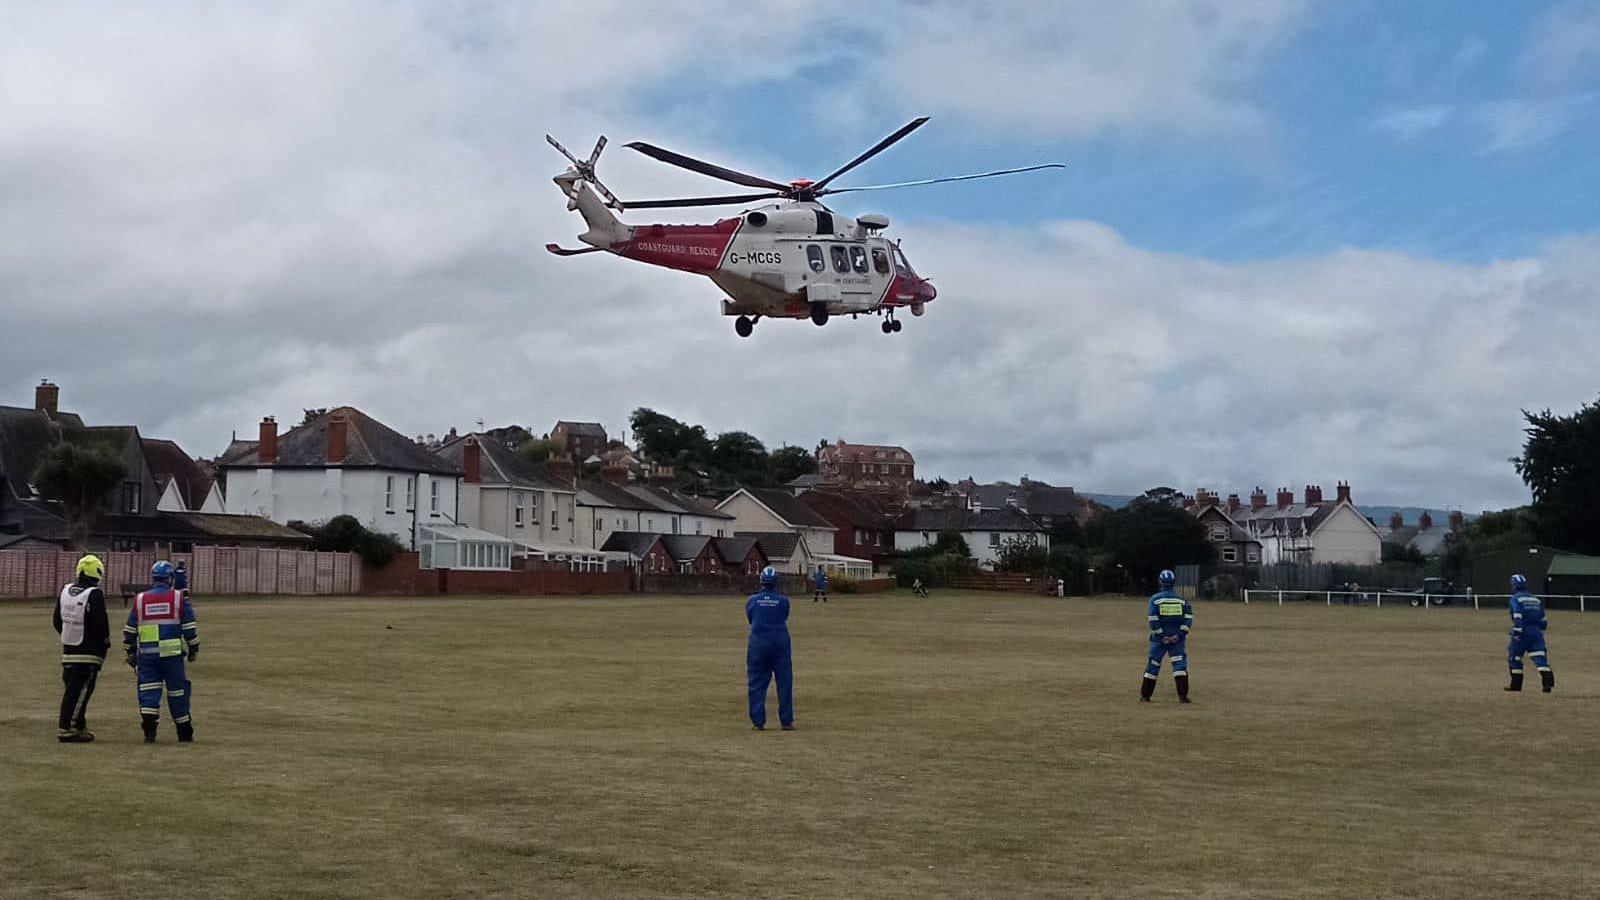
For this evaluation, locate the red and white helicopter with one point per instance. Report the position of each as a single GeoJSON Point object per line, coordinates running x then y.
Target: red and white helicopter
{"type": "Point", "coordinates": [795, 259]}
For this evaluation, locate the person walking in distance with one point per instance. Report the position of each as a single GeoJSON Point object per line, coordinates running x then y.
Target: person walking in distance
{"type": "Point", "coordinates": [80, 619]}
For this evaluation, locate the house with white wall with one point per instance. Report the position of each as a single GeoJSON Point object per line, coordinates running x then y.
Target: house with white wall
{"type": "Point", "coordinates": [985, 531]}
{"type": "Point", "coordinates": [528, 504]}
{"type": "Point", "coordinates": [607, 506]}
{"type": "Point", "coordinates": [1310, 530]}
{"type": "Point", "coordinates": [764, 512]}
{"type": "Point", "coordinates": [342, 462]}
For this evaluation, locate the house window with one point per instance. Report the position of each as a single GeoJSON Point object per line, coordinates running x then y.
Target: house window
{"type": "Point", "coordinates": [553, 525]}
{"type": "Point", "coordinates": [814, 257]}
{"type": "Point", "coordinates": [411, 493]}
{"type": "Point", "coordinates": [516, 516]}
{"type": "Point", "coordinates": [697, 524]}
{"type": "Point", "coordinates": [994, 538]}
{"type": "Point", "coordinates": [1219, 533]}
{"type": "Point", "coordinates": [388, 493]}
{"type": "Point", "coordinates": [841, 258]}
{"type": "Point", "coordinates": [674, 524]}
{"type": "Point", "coordinates": [1252, 555]}
{"type": "Point", "coordinates": [1230, 554]}
{"type": "Point", "coordinates": [880, 261]}
{"type": "Point", "coordinates": [132, 497]}
{"type": "Point", "coordinates": [858, 259]}
{"type": "Point", "coordinates": [433, 496]}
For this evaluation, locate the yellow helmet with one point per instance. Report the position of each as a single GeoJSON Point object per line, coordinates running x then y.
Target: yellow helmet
{"type": "Point", "coordinates": [91, 567]}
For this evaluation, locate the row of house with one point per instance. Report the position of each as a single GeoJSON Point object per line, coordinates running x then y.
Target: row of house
{"type": "Point", "coordinates": [1290, 529]}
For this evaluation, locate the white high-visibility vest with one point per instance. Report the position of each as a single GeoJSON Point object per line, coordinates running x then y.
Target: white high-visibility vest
{"type": "Point", "coordinates": [74, 607]}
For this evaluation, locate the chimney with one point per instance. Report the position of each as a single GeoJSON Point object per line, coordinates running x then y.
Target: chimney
{"type": "Point", "coordinates": [267, 449]}
{"type": "Point", "coordinates": [1396, 521]}
{"type": "Point", "coordinates": [46, 398]}
{"type": "Point", "coordinates": [338, 438]}
{"type": "Point", "coordinates": [1233, 503]}
{"type": "Point", "coordinates": [1285, 498]}
{"type": "Point", "coordinates": [1425, 521]}
{"type": "Point", "coordinates": [1457, 521]}
{"type": "Point", "coordinates": [1203, 497]}
{"type": "Point", "coordinates": [1313, 494]}
{"type": "Point", "coordinates": [1258, 500]}
{"type": "Point", "coordinates": [472, 461]}
{"type": "Point", "coordinates": [1344, 492]}
{"type": "Point", "coordinates": [614, 474]}
{"type": "Point", "coordinates": [662, 475]}
{"type": "Point", "coordinates": [562, 467]}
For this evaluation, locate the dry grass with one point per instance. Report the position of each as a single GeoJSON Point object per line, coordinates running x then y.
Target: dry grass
{"type": "Point", "coordinates": [964, 746]}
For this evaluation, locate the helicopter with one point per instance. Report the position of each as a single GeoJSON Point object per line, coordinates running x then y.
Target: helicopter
{"type": "Point", "coordinates": [793, 259]}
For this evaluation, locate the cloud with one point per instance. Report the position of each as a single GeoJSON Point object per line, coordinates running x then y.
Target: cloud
{"type": "Point", "coordinates": [1564, 44]}
{"type": "Point", "coordinates": [1413, 122]}
{"type": "Point", "coordinates": [210, 214]}
{"type": "Point", "coordinates": [1522, 124]}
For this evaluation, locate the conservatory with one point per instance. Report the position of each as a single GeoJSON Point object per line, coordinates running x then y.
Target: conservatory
{"type": "Point", "coordinates": [460, 547]}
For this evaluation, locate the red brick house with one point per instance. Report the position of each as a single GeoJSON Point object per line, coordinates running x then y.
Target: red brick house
{"type": "Point", "coordinates": [645, 550]}
{"type": "Point", "coordinates": [866, 467]}
{"type": "Point", "coordinates": [863, 527]}
{"type": "Point", "coordinates": [740, 554]}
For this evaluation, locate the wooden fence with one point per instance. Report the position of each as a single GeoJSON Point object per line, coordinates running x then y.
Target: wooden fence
{"type": "Point", "coordinates": [30, 574]}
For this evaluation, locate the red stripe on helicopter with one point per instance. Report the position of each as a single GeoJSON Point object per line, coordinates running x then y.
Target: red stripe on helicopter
{"type": "Point", "coordinates": [691, 248]}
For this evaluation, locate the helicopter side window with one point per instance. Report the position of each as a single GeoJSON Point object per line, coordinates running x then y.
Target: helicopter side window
{"type": "Point", "coordinates": [814, 257]}
{"type": "Point", "coordinates": [858, 258]}
{"type": "Point", "coordinates": [841, 258]}
{"type": "Point", "coordinates": [880, 261]}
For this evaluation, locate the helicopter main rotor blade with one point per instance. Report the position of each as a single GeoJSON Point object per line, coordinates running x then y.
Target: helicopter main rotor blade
{"type": "Point", "coordinates": [901, 184]}
{"type": "Point", "coordinates": [877, 148]}
{"type": "Point", "coordinates": [700, 201]}
{"type": "Point", "coordinates": [704, 168]}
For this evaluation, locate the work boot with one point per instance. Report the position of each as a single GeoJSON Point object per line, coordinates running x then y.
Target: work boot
{"type": "Point", "coordinates": [758, 728]}
{"type": "Point", "coordinates": [186, 733]}
{"type": "Point", "coordinates": [1146, 689]}
{"type": "Point", "coordinates": [1516, 682]}
{"type": "Point", "coordinates": [1548, 678]}
{"type": "Point", "coordinates": [1182, 681]}
{"type": "Point", "coordinates": [789, 727]}
{"type": "Point", "coordinates": [148, 723]}
{"type": "Point", "coordinates": [74, 736]}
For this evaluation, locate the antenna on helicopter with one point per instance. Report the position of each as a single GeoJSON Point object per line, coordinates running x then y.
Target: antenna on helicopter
{"type": "Point", "coordinates": [585, 169]}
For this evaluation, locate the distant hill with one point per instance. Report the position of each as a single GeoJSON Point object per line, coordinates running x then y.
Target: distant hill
{"type": "Point", "coordinates": [1114, 501]}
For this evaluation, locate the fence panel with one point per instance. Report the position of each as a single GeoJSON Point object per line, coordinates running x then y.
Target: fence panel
{"type": "Point", "coordinates": [36, 574]}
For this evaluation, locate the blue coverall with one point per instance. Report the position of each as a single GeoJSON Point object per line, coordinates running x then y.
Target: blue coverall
{"type": "Point", "coordinates": [1527, 633]}
{"type": "Point", "coordinates": [161, 629]}
{"type": "Point", "coordinates": [768, 656]}
{"type": "Point", "coordinates": [819, 582]}
{"type": "Point", "coordinates": [1169, 616]}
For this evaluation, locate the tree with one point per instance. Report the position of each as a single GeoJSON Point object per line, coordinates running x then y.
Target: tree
{"type": "Point", "coordinates": [1402, 553]}
{"type": "Point", "coordinates": [741, 457]}
{"type": "Point", "coordinates": [1148, 537]}
{"type": "Point", "coordinates": [787, 463]}
{"type": "Point", "coordinates": [664, 439]}
{"type": "Point", "coordinates": [1019, 555]}
{"type": "Point", "coordinates": [346, 534]}
{"type": "Point", "coordinates": [535, 450]}
{"type": "Point", "coordinates": [1560, 464]}
{"type": "Point", "coordinates": [81, 477]}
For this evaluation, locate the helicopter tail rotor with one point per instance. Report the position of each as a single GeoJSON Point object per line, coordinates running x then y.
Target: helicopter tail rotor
{"type": "Point", "coordinates": [584, 170]}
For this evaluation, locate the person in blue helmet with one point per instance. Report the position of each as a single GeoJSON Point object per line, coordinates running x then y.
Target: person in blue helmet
{"type": "Point", "coordinates": [1528, 625]}
{"type": "Point", "coordinates": [768, 654]}
{"type": "Point", "coordinates": [819, 585]}
{"type": "Point", "coordinates": [161, 633]}
{"type": "Point", "coordinates": [1170, 618]}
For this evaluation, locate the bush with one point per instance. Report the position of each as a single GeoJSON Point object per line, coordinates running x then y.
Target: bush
{"type": "Point", "coordinates": [842, 583]}
{"type": "Point", "coordinates": [346, 534]}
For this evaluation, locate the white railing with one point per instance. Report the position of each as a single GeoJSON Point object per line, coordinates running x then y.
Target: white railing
{"type": "Point", "coordinates": [1405, 597]}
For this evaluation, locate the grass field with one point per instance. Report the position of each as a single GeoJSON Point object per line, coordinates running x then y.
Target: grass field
{"type": "Point", "coordinates": [965, 746]}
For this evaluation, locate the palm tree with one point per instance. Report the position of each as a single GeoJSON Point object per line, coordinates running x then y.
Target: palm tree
{"type": "Point", "coordinates": [80, 477]}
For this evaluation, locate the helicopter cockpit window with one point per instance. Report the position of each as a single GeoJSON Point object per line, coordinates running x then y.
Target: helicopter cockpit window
{"type": "Point", "coordinates": [814, 257]}
{"type": "Point", "coordinates": [841, 258]}
{"type": "Point", "coordinates": [880, 261]}
{"type": "Point", "coordinates": [858, 258]}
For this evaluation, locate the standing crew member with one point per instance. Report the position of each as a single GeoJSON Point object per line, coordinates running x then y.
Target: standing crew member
{"type": "Point", "coordinates": [159, 634]}
{"type": "Point", "coordinates": [80, 619]}
{"type": "Point", "coordinates": [1170, 618]}
{"type": "Point", "coordinates": [768, 653]}
{"type": "Point", "coordinates": [819, 584]}
{"type": "Point", "coordinates": [1528, 624]}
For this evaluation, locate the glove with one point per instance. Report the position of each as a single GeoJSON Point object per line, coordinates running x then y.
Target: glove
{"type": "Point", "coordinates": [194, 651]}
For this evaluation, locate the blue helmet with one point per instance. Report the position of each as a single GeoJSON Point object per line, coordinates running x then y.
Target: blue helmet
{"type": "Point", "coordinates": [769, 577]}
{"type": "Point", "coordinates": [1519, 582]}
{"type": "Point", "coordinates": [161, 572]}
{"type": "Point", "coordinates": [1167, 578]}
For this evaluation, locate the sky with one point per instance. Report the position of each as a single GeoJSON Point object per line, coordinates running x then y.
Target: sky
{"type": "Point", "coordinates": [1296, 242]}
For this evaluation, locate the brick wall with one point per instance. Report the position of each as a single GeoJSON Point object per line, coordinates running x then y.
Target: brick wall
{"type": "Point", "coordinates": [403, 576]}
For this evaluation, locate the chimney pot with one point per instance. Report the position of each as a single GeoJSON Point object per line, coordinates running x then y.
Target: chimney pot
{"type": "Point", "coordinates": [1313, 494]}
{"type": "Point", "coordinates": [1258, 500]}
{"type": "Point", "coordinates": [1285, 498]}
{"type": "Point", "coordinates": [46, 398]}
{"type": "Point", "coordinates": [1425, 521]}
{"type": "Point", "coordinates": [1396, 521]}
{"type": "Point", "coordinates": [1457, 521]}
{"type": "Point", "coordinates": [1233, 503]}
{"type": "Point", "coordinates": [338, 439]}
{"type": "Point", "coordinates": [472, 461]}
{"type": "Point", "coordinates": [1344, 492]}
{"type": "Point", "coordinates": [267, 447]}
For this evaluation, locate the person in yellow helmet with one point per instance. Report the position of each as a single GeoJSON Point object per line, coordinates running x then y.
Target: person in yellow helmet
{"type": "Point", "coordinates": [80, 619]}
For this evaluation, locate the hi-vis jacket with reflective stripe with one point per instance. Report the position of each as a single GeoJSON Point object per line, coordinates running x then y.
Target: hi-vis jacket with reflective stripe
{"type": "Point", "coordinates": [1169, 615]}
{"type": "Point", "coordinates": [161, 622]}
{"type": "Point", "coordinates": [80, 617]}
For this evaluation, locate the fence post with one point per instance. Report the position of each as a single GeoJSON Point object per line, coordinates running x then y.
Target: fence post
{"type": "Point", "coordinates": [1582, 606]}
{"type": "Point", "coordinates": [1426, 601]}
{"type": "Point", "coordinates": [1330, 598]}
{"type": "Point", "coordinates": [1380, 599]}
{"type": "Point", "coordinates": [1280, 596]}
{"type": "Point", "coordinates": [1474, 601]}
{"type": "Point", "coordinates": [1246, 596]}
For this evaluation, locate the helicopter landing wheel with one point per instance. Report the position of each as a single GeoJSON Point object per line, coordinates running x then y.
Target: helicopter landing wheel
{"type": "Point", "coordinates": [819, 313]}
{"type": "Point", "coordinates": [896, 325]}
{"type": "Point", "coordinates": [743, 326]}
{"type": "Point", "coordinates": [887, 326]}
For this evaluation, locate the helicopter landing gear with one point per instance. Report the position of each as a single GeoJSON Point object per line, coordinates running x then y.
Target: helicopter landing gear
{"type": "Point", "coordinates": [890, 323]}
{"type": "Point", "coordinates": [743, 325]}
{"type": "Point", "coordinates": [819, 313]}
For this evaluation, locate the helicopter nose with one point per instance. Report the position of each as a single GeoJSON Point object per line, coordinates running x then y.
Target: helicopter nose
{"type": "Point", "coordinates": [925, 291]}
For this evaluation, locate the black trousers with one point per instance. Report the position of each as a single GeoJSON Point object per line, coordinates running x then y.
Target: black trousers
{"type": "Point", "coordinates": [79, 679]}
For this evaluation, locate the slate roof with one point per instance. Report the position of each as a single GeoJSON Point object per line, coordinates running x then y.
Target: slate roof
{"type": "Point", "coordinates": [370, 444]}
{"type": "Point", "coordinates": [500, 464]}
{"type": "Point", "coordinates": [788, 508]}
{"type": "Point", "coordinates": [637, 543]}
{"type": "Point", "coordinates": [1036, 498]}
{"type": "Point", "coordinates": [854, 511]}
{"type": "Point", "coordinates": [1005, 519]}
{"type": "Point", "coordinates": [685, 547]}
{"type": "Point", "coordinates": [734, 550]}
{"type": "Point", "coordinates": [583, 429]}
{"type": "Point", "coordinates": [594, 492]}
{"type": "Point", "coordinates": [667, 496]}
{"type": "Point", "coordinates": [775, 544]}
{"type": "Point", "coordinates": [169, 463]}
